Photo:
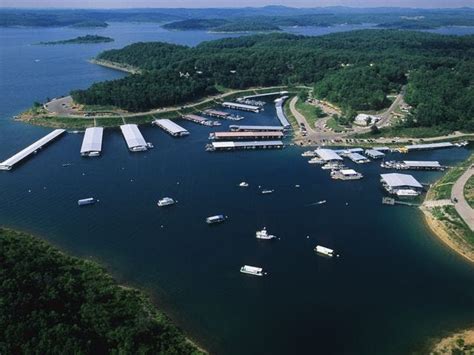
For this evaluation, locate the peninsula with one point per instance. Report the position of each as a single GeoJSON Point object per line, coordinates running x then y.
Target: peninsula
{"type": "Point", "coordinates": [73, 306]}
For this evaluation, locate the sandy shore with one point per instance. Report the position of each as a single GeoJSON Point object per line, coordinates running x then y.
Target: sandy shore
{"type": "Point", "coordinates": [440, 230]}
{"type": "Point", "coordinates": [453, 343]}
{"type": "Point", "coordinates": [116, 66]}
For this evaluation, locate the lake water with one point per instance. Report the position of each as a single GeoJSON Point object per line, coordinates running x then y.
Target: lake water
{"type": "Point", "coordinates": [393, 287]}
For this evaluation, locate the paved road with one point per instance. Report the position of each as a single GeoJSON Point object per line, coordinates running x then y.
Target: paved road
{"type": "Point", "coordinates": [61, 106]}
{"type": "Point", "coordinates": [299, 117]}
{"type": "Point", "coordinates": [462, 207]}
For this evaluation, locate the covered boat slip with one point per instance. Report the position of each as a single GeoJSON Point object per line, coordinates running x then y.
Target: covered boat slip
{"type": "Point", "coordinates": [10, 162]}
{"type": "Point", "coordinates": [328, 155]}
{"type": "Point", "coordinates": [172, 128]}
{"type": "Point", "coordinates": [265, 95]}
{"type": "Point", "coordinates": [374, 154]}
{"type": "Point", "coordinates": [357, 158]}
{"type": "Point", "coordinates": [92, 142]}
{"type": "Point", "coordinates": [242, 107]}
{"type": "Point", "coordinates": [246, 135]}
{"type": "Point", "coordinates": [197, 119]}
{"type": "Point", "coordinates": [240, 128]}
{"type": "Point", "coordinates": [222, 146]}
{"type": "Point", "coordinates": [133, 138]}
{"type": "Point", "coordinates": [280, 113]}
{"type": "Point", "coordinates": [429, 146]}
{"type": "Point", "coordinates": [394, 182]}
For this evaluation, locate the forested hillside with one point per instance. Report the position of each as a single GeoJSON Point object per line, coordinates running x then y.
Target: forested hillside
{"type": "Point", "coordinates": [355, 70]}
{"type": "Point", "coordinates": [51, 303]}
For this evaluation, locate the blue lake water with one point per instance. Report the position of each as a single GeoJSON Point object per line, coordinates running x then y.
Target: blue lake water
{"type": "Point", "coordinates": [393, 287]}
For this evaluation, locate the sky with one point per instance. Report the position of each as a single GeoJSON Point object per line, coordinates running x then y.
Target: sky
{"type": "Point", "coordinates": [230, 3]}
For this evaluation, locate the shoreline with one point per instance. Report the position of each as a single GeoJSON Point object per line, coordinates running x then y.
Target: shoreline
{"type": "Point", "coordinates": [451, 343]}
{"type": "Point", "coordinates": [115, 66]}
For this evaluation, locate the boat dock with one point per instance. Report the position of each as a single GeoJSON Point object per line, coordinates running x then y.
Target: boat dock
{"type": "Point", "coordinates": [172, 128]}
{"type": "Point", "coordinates": [264, 95]}
{"type": "Point", "coordinates": [280, 113]}
{"type": "Point", "coordinates": [413, 165]}
{"type": "Point", "coordinates": [391, 202]}
{"type": "Point", "coordinates": [197, 119]}
{"type": "Point", "coordinates": [92, 142]}
{"type": "Point", "coordinates": [374, 154]}
{"type": "Point", "coordinates": [230, 145]}
{"type": "Point", "coordinates": [31, 149]}
{"type": "Point", "coordinates": [357, 158]}
{"type": "Point", "coordinates": [246, 135]}
{"type": "Point", "coordinates": [133, 138]}
{"type": "Point", "coordinates": [237, 128]}
{"type": "Point", "coordinates": [328, 155]}
{"type": "Point", "coordinates": [216, 113]}
{"type": "Point", "coordinates": [242, 107]}
{"type": "Point", "coordinates": [414, 147]}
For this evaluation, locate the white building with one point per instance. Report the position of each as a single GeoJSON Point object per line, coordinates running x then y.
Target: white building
{"type": "Point", "coordinates": [363, 119]}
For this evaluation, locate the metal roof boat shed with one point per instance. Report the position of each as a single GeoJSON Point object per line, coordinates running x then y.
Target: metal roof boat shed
{"type": "Point", "coordinates": [280, 114]}
{"type": "Point", "coordinates": [349, 150]}
{"type": "Point", "coordinates": [245, 145]}
{"type": "Point", "coordinates": [357, 158]}
{"type": "Point", "coordinates": [327, 154]}
{"type": "Point", "coordinates": [22, 154]}
{"type": "Point", "coordinates": [246, 135]}
{"type": "Point", "coordinates": [243, 107]}
{"type": "Point", "coordinates": [382, 149]}
{"type": "Point", "coordinates": [413, 164]}
{"type": "Point", "coordinates": [238, 128]}
{"type": "Point", "coordinates": [133, 137]}
{"type": "Point", "coordinates": [400, 181]}
{"type": "Point", "coordinates": [429, 146]}
{"type": "Point", "coordinates": [172, 128]}
{"type": "Point", "coordinates": [92, 142]}
{"type": "Point", "coordinates": [374, 154]}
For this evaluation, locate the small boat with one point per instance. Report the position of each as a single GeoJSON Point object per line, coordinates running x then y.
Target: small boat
{"type": "Point", "coordinates": [332, 166]}
{"type": "Point", "coordinates": [263, 234]}
{"type": "Point", "coordinates": [216, 219]}
{"type": "Point", "coordinates": [251, 270]}
{"type": "Point", "coordinates": [93, 154]}
{"type": "Point", "coordinates": [166, 201]}
{"type": "Point", "coordinates": [66, 165]}
{"type": "Point", "coordinates": [324, 251]}
{"type": "Point", "coordinates": [267, 191]}
{"type": "Point", "coordinates": [150, 145]}
{"type": "Point", "coordinates": [86, 201]}
{"type": "Point", "coordinates": [316, 160]}
{"type": "Point", "coordinates": [308, 153]}
{"type": "Point", "coordinates": [322, 202]}
{"type": "Point", "coordinates": [244, 184]}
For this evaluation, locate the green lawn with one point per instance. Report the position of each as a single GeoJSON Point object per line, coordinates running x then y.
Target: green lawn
{"type": "Point", "coordinates": [332, 124]}
{"type": "Point", "coordinates": [308, 111]}
{"type": "Point", "coordinates": [469, 191]}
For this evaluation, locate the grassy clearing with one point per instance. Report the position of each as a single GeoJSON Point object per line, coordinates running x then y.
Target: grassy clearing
{"type": "Point", "coordinates": [469, 191]}
{"type": "Point", "coordinates": [454, 223]}
{"type": "Point", "coordinates": [333, 125]}
{"type": "Point", "coordinates": [308, 111]}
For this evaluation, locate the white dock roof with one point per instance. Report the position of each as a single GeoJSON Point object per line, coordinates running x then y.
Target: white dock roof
{"type": "Point", "coordinates": [400, 180]}
{"type": "Point", "coordinates": [243, 106]}
{"type": "Point", "coordinates": [22, 154]}
{"type": "Point", "coordinates": [348, 172]}
{"type": "Point", "coordinates": [430, 146]}
{"type": "Point", "coordinates": [356, 156]}
{"type": "Point", "coordinates": [327, 154]}
{"type": "Point", "coordinates": [231, 144]}
{"type": "Point", "coordinates": [132, 136]}
{"type": "Point", "coordinates": [92, 141]}
{"type": "Point", "coordinates": [279, 111]}
{"type": "Point", "coordinates": [170, 126]}
{"type": "Point", "coordinates": [422, 164]}
{"type": "Point", "coordinates": [256, 128]}
{"type": "Point", "coordinates": [374, 153]}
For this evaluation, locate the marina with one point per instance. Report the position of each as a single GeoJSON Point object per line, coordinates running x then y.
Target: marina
{"type": "Point", "coordinates": [31, 149]}
{"type": "Point", "coordinates": [231, 145]}
{"type": "Point", "coordinates": [239, 128]}
{"type": "Point", "coordinates": [92, 142]}
{"type": "Point", "coordinates": [241, 107]}
{"type": "Point", "coordinates": [245, 135]}
{"type": "Point", "coordinates": [134, 138]}
{"type": "Point", "coordinates": [280, 113]}
{"type": "Point", "coordinates": [172, 128]}
{"type": "Point", "coordinates": [412, 165]}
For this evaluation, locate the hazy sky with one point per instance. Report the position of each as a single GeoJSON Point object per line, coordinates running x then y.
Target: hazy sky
{"type": "Point", "coordinates": [230, 3]}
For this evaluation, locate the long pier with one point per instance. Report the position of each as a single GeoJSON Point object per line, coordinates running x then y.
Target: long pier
{"type": "Point", "coordinates": [31, 149]}
{"type": "Point", "coordinates": [280, 114]}
{"type": "Point", "coordinates": [133, 138]}
{"type": "Point", "coordinates": [246, 135]}
{"type": "Point", "coordinates": [230, 145]}
{"type": "Point", "coordinates": [264, 95]}
{"type": "Point", "coordinates": [242, 107]}
{"type": "Point", "coordinates": [239, 128]}
{"type": "Point", "coordinates": [198, 119]}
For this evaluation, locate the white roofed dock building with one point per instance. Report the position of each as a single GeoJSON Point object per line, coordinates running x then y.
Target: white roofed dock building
{"type": "Point", "coordinates": [394, 182]}
{"type": "Point", "coordinates": [92, 142]}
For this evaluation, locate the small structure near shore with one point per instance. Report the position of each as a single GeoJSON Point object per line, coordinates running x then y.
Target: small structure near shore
{"type": "Point", "coordinates": [172, 128]}
{"type": "Point", "coordinates": [401, 184]}
{"type": "Point", "coordinates": [92, 142]}
{"type": "Point", "coordinates": [328, 155]}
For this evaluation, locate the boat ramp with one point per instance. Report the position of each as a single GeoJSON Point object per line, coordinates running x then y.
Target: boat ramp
{"type": "Point", "coordinates": [92, 142]}
{"type": "Point", "coordinates": [172, 128]}
{"type": "Point", "coordinates": [31, 149]}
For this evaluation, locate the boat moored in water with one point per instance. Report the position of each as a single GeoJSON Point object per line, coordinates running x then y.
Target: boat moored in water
{"type": "Point", "coordinates": [244, 184]}
{"type": "Point", "coordinates": [251, 270]}
{"type": "Point", "coordinates": [263, 234]}
{"type": "Point", "coordinates": [267, 191]}
{"type": "Point", "coordinates": [324, 251]}
{"type": "Point", "coordinates": [216, 219]}
{"type": "Point", "coordinates": [166, 201]}
{"type": "Point", "coordinates": [86, 201]}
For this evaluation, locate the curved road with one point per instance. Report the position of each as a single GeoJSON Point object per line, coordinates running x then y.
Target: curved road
{"type": "Point", "coordinates": [457, 194]}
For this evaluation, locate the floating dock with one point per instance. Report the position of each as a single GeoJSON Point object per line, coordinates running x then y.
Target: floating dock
{"type": "Point", "coordinates": [413, 165]}
{"type": "Point", "coordinates": [413, 147]}
{"type": "Point", "coordinates": [222, 146]}
{"type": "Point", "coordinates": [237, 128]}
{"type": "Point", "coordinates": [33, 148]}
{"type": "Point", "coordinates": [395, 183]}
{"type": "Point", "coordinates": [134, 138]}
{"type": "Point", "coordinates": [264, 95]}
{"type": "Point", "coordinates": [246, 135]}
{"type": "Point", "coordinates": [198, 119]}
{"type": "Point", "coordinates": [242, 107]}
{"type": "Point", "coordinates": [382, 149]}
{"type": "Point", "coordinates": [349, 151]}
{"type": "Point", "coordinates": [328, 155]}
{"type": "Point", "coordinates": [216, 113]}
{"type": "Point", "coordinates": [280, 113]}
{"type": "Point", "coordinates": [172, 128]}
{"type": "Point", "coordinates": [92, 142]}
{"type": "Point", "coordinates": [374, 154]}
